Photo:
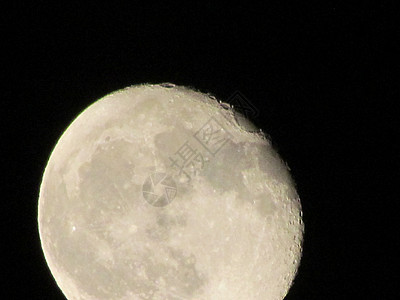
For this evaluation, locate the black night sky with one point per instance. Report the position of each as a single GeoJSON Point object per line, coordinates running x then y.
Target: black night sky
{"type": "Point", "coordinates": [321, 75]}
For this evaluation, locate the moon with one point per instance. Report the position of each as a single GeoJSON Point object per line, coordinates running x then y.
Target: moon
{"type": "Point", "coordinates": [159, 191]}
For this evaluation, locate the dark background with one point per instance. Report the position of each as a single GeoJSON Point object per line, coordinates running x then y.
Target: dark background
{"type": "Point", "coordinates": [321, 75]}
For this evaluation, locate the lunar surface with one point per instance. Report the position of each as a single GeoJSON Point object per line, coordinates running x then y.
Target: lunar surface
{"type": "Point", "coordinates": [159, 192]}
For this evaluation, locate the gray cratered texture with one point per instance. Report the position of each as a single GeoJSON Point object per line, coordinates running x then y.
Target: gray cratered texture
{"type": "Point", "coordinates": [229, 226]}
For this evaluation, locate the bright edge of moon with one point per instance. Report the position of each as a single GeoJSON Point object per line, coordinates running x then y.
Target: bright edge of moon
{"type": "Point", "coordinates": [163, 192]}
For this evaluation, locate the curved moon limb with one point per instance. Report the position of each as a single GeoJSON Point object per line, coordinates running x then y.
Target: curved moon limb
{"type": "Point", "coordinates": [163, 192]}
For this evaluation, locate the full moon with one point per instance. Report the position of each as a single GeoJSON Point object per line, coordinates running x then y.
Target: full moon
{"type": "Point", "coordinates": [163, 192]}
